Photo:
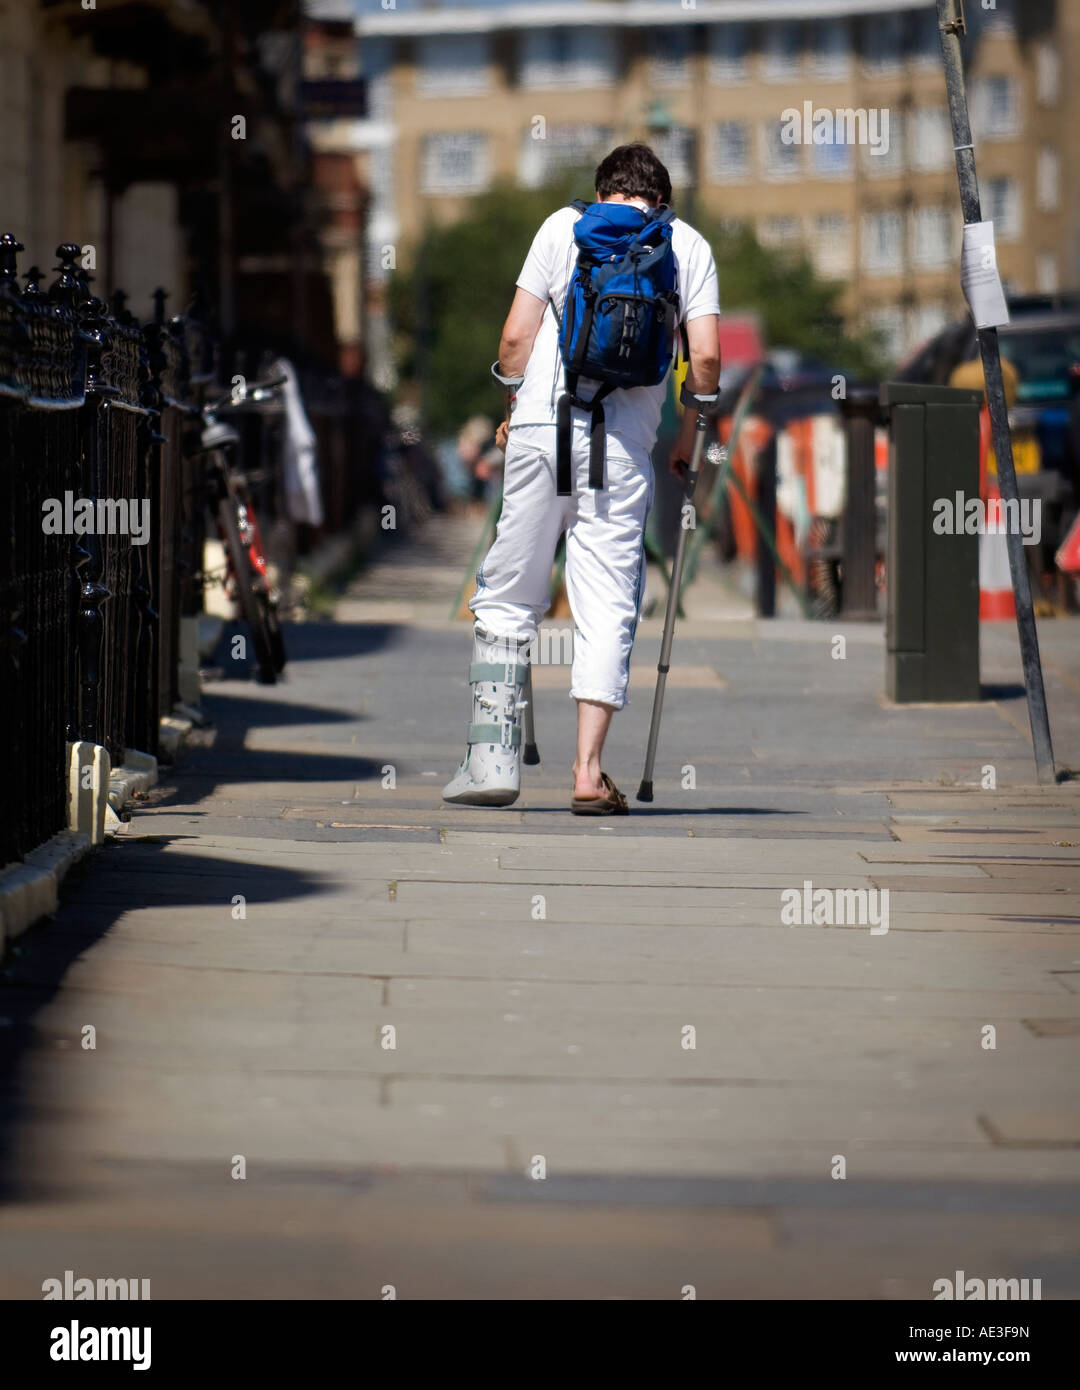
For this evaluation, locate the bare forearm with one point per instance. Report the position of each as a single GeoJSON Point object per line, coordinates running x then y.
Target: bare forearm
{"type": "Point", "coordinates": [519, 333]}
{"type": "Point", "coordinates": [702, 377]}
{"type": "Point", "coordinates": [703, 374]}
{"type": "Point", "coordinates": [513, 355]}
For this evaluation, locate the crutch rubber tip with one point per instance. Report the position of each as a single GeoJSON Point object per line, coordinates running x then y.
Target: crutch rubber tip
{"type": "Point", "coordinates": [531, 756]}
{"type": "Point", "coordinates": [644, 792]}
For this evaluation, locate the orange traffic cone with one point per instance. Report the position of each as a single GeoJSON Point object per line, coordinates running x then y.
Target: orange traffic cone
{"type": "Point", "coordinates": [996, 599]}
{"type": "Point", "coordinates": [1068, 557]}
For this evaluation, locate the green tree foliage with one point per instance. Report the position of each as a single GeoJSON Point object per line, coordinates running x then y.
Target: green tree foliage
{"type": "Point", "coordinates": [797, 308]}
{"type": "Point", "coordinates": [449, 303]}
{"type": "Point", "coordinates": [449, 306]}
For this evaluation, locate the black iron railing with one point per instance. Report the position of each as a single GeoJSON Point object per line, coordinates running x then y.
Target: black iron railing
{"type": "Point", "coordinates": [102, 530]}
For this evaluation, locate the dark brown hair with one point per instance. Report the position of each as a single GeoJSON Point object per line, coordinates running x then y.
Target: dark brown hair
{"type": "Point", "coordinates": [635, 172]}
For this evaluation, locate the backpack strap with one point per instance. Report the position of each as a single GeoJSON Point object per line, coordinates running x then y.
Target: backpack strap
{"type": "Point", "coordinates": [564, 438]}
{"type": "Point", "coordinates": [563, 481]}
{"type": "Point", "coordinates": [597, 439]}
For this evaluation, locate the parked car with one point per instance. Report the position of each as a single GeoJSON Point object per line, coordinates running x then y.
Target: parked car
{"type": "Point", "coordinates": [1042, 342]}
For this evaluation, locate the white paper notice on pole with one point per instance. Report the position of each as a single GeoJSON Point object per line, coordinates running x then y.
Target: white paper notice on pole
{"type": "Point", "coordinates": [979, 276]}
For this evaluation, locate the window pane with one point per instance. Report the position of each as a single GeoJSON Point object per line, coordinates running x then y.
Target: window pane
{"type": "Point", "coordinates": [832, 48]}
{"type": "Point", "coordinates": [886, 161]}
{"type": "Point", "coordinates": [882, 243]}
{"type": "Point", "coordinates": [728, 50]}
{"type": "Point", "coordinates": [455, 163]}
{"type": "Point", "coordinates": [780, 232]}
{"type": "Point", "coordinates": [782, 161]}
{"type": "Point", "coordinates": [1048, 180]}
{"type": "Point", "coordinates": [831, 247]}
{"type": "Point", "coordinates": [453, 65]}
{"type": "Point", "coordinates": [567, 58]}
{"type": "Point", "coordinates": [931, 237]}
{"type": "Point", "coordinates": [675, 150]}
{"type": "Point", "coordinates": [1047, 75]}
{"type": "Point", "coordinates": [925, 46]}
{"type": "Point", "coordinates": [669, 55]}
{"type": "Point", "coordinates": [994, 109]}
{"type": "Point", "coordinates": [780, 49]}
{"type": "Point", "coordinates": [931, 138]}
{"type": "Point", "coordinates": [729, 151]}
{"type": "Point", "coordinates": [564, 147]}
{"type": "Point", "coordinates": [883, 43]}
{"type": "Point", "coordinates": [834, 160]}
{"type": "Point", "coordinates": [1002, 207]}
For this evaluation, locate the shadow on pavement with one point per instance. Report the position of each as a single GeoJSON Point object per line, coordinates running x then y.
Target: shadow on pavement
{"type": "Point", "coordinates": [96, 893]}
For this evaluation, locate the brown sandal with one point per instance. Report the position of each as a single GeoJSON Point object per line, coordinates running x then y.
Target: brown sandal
{"type": "Point", "coordinates": [612, 804]}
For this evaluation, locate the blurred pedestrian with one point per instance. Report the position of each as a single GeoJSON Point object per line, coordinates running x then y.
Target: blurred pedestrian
{"type": "Point", "coordinates": [476, 438]}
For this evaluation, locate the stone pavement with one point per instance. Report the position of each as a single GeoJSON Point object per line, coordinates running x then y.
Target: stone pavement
{"type": "Point", "coordinates": [244, 947]}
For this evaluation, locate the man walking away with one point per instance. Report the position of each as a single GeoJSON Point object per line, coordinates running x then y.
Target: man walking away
{"type": "Point", "coordinates": [584, 356]}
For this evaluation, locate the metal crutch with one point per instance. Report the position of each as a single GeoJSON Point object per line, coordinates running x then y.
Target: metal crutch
{"type": "Point", "coordinates": [531, 755]}
{"type": "Point", "coordinates": [704, 406]}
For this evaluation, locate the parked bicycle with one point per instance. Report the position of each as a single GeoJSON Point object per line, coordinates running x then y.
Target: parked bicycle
{"type": "Point", "coordinates": [227, 488]}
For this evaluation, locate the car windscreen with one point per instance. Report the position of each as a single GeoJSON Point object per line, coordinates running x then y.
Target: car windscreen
{"type": "Point", "coordinates": [1044, 358]}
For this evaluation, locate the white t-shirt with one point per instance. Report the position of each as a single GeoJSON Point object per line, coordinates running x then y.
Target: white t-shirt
{"type": "Point", "coordinates": [632, 415]}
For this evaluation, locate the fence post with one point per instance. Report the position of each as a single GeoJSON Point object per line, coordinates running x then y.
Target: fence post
{"type": "Point", "coordinates": [88, 558]}
{"type": "Point", "coordinates": [766, 501]}
{"type": "Point", "coordinates": [858, 593]}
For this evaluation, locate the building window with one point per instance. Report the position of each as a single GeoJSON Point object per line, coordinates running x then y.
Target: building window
{"type": "Point", "coordinates": [781, 160]}
{"type": "Point", "coordinates": [669, 55]}
{"type": "Point", "coordinates": [832, 48]}
{"type": "Point", "coordinates": [930, 139]}
{"type": "Point", "coordinates": [1001, 205]}
{"type": "Point", "coordinates": [1048, 180]}
{"type": "Point", "coordinates": [1046, 273]}
{"type": "Point", "coordinates": [675, 150]}
{"type": "Point", "coordinates": [564, 147]}
{"type": "Point", "coordinates": [729, 46]}
{"type": "Point", "coordinates": [567, 57]}
{"type": "Point", "coordinates": [1047, 75]}
{"type": "Point", "coordinates": [889, 162]}
{"type": "Point", "coordinates": [925, 42]}
{"type": "Point", "coordinates": [780, 233]}
{"type": "Point", "coordinates": [931, 237]}
{"type": "Point", "coordinates": [781, 49]}
{"type": "Point", "coordinates": [831, 247]}
{"type": "Point", "coordinates": [882, 243]}
{"type": "Point", "coordinates": [883, 44]}
{"type": "Point", "coordinates": [453, 65]}
{"type": "Point", "coordinates": [455, 162]}
{"type": "Point", "coordinates": [834, 160]}
{"type": "Point", "coordinates": [729, 151]}
{"type": "Point", "coordinates": [994, 108]}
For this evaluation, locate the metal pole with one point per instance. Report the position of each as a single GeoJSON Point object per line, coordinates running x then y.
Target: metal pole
{"type": "Point", "coordinates": [531, 754]}
{"type": "Point", "coordinates": [765, 587]}
{"type": "Point", "coordinates": [645, 790]}
{"type": "Point", "coordinates": [858, 596]}
{"type": "Point", "coordinates": [951, 25]}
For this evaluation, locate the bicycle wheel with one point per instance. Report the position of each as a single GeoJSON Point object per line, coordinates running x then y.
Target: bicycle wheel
{"type": "Point", "coordinates": [251, 595]}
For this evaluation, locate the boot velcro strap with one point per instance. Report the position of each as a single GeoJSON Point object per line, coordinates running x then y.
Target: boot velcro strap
{"type": "Point", "coordinates": [508, 672]}
{"type": "Point", "coordinates": [505, 735]}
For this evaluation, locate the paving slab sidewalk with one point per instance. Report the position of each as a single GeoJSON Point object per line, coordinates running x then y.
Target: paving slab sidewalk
{"type": "Point", "coordinates": [478, 1053]}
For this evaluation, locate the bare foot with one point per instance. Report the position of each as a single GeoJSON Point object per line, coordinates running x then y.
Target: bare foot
{"type": "Point", "coordinates": [587, 782]}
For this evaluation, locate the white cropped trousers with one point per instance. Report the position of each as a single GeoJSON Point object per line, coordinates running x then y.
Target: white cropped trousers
{"type": "Point", "coordinates": [605, 558]}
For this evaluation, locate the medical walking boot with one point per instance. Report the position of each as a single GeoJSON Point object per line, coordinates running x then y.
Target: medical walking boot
{"type": "Point", "coordinates": [490, 773]}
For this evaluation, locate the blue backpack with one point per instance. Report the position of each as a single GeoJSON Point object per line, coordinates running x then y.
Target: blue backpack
{"type": "Point", "coordinates": [619, 319]}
